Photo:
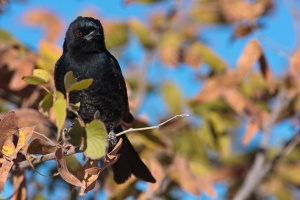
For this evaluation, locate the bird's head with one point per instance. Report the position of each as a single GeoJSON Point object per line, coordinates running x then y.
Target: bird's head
{"type": "Point", "coordinates": [85, 34]}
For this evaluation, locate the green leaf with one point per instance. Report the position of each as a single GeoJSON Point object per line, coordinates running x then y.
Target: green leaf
{"type": "Point", "coordinates": [73, 164]}
{"type": "Point", "coordinates": [42, 74]}
{"type": "Point", "coordinates": [96, 139]}
{"type": "Point", "coordinates": [142, 33]}
{"type": "Point", "coordinates": [33, 80]}
{"type": "Point", "coordinates": [209, 57]}
{"type": "Point", "coordinates": [60, 110]}
{"type": "Point", "coordinates": [172, 97]}
{"type": "Point", "coordinates": [116, 34]}
{"type": "Point", "coordinates": [47, 102]}
{"type": "Point", "coordinates": [69, 79]}
{"type": "Point", "coordinates": [75, 133]}
{"type": "Point", "coordinates": [83, 84]}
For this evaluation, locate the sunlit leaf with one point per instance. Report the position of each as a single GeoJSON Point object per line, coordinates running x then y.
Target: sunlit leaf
{"type": "Point", "coordinates": [252, 128]}
{"type": "Point", "coordinates": [172, 96]}
{"type": "Point", "coordinates": [69, 79]}
{"type": "Point", "coordinates": [25, 134]}
{"type": "Point", "coordinates": [60, 106]}
{"type": "Point", "coordinates": [96, 139]}
{"type": "Point", "coordinates": [116, 34]}
{"type": "Point", "coordinates": [42, 74]}
{"type": "Point", "coordinates": [83, 84]}
{"type": "Point", "coordinates": [49, 53]}
{"type": "Point", "coordinates": [142, 33]}
{"type": "Point", "coordinates": [47, 102]}
{"type": "Point", "coordinates": [209, 57]}
{"type": "Point", "coordinates": [34, 80]}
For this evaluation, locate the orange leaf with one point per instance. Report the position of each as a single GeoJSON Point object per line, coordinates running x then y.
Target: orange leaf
{"type": "Point", "coordinates": [185, 178]}
{"type": "Point", "coordinates": [295, 63]}
{"type": "Point", "coordinates": [251, 130]}
{"type": "Point", "coordinates": [63, 170]}
{"type": "Point", "coordinates": [4, 170]}
{"type": "Point", "coordinates": [156, 168]}
{"type": "Point", "coordinates": [210, 91]}
{"type": "Point", "coordinates": [250, 55]}
{"type": "Point", "coordinates": [19, 186]}
{"type": "Point", "coordinates": [51, 24]}
{"type": "Point", "coordinates": [239, 103]}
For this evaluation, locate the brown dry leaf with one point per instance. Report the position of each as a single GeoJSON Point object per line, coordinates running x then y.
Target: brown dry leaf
{"type": "Point", "coordinates": [251, 130]}
{"type": "Point", "coordinates": [266, 72]}
{"type": "Point", "coordinates": [8, 126]}
{"type": "Point", "coordinates": [63, 170]}
{"type": "Point", "coordinates": [31, 117]}
{"type": "Point", "coordinates": [295, 63]}
{"type": "Point", "coordinates": [39, 146]}
{"type": "Point", "coordinates": [207, 186]}
{"type": "Point", "coordinates": [91, 173]}
{"type": "Point", "coordinates": [10, 57]}
{"type": "Point", "coordinates": [4, 170]}
{"type": "Point", "coordinates": [212, 88]}
{"type": "Point", "coordinates": [25, 68]}
{"type": "Point", "coordinates": [244, 29]}
{"type": "Point", "coordinates": [210, 91]}
{"type": "Point", "coordinates": [51, 24]}
{"type": "Point", "coordinates": [159, 172]}
{"type": "Point", "coordinates": [239, 103]}
{"type": "Point", "coordinates": [185, 178]}
{"type": "Point", "coordinates": [19, 187]}
{"type": "Point", "coordinates": [252, 52]}
{"type": "Point", "coordinates": [234, 11]}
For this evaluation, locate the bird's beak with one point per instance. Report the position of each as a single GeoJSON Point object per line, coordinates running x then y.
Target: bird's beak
{"type": "Point", "coordinates": [93, 35]}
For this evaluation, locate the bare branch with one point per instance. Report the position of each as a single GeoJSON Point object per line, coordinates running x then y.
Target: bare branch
{"type": "Point", "coordinates": [151, 127]}
{"type": "Point", "coordinates": [260, 168]}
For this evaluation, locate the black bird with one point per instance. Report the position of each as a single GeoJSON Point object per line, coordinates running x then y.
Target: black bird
{"type": "Point", "coordinates": [85, 54]}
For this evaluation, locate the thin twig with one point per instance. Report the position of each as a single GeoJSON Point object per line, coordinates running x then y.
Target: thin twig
{"type": "Point", "coordinates": [48, 91]}
{"type": "Point", "coordinates": [44, 136]}
{"type": "Point", "coordinates": [151, 127]}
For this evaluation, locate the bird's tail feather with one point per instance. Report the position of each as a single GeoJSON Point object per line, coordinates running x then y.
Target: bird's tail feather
{"type": "Point", "coordinates": [129, 163]}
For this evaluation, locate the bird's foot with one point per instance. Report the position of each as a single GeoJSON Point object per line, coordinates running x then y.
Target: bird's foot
{"type": "Point", "coordinates": [112, 138]}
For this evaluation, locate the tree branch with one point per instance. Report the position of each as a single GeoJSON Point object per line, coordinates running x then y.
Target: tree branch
{"type": "Point", "coordinates": [260, 168]}
{"type": "Point", "coordinates": [39, 159]}
{"type": "Point", "coordinates": [73, 150]}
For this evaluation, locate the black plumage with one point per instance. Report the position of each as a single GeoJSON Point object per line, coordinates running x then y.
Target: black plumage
{"type": "Point", "coordinates": [85, 54]}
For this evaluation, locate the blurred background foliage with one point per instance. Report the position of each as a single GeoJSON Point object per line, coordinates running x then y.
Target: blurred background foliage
{"type": "Point", "coordinates": [232, 114]}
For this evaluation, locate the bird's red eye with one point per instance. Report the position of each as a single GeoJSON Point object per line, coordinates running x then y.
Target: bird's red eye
{"type": "Point", "coordinates": [79, 33]}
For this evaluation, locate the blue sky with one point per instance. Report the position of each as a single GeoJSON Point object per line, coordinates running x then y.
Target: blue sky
{"type": "Point", "coordinates": [278, 34]}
